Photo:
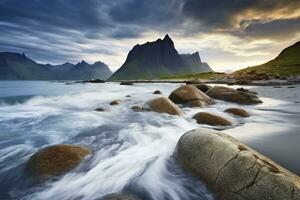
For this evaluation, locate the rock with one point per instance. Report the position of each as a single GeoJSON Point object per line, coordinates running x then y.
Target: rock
{"type": "Point", "coordinates": [116, 102]}
{"type": "Point", "coordinates": [137, 108]}
{"type": "Point", "coordinates": [164, 105]}
{"type": "Point", "coordinates": [94, 81]}
{"type": "Point", "coordinates": [237, 111]}
{"type": "Point", "coordinates": [126, 83]}
{"type": "Point", "coordinates": [233, 170]}
{"type": "Point", "coordinates": [56, 159]}
{"type": "Point", "coordinates": [232, 95]}
{"type": "Point", "coordinates": [211, 119]}
{"type": "Point", "coordinates": [190, 95]}
{"type": "Point", "coordinates": [128, 96]}
{"type": "Point", "coordinates": [203, 87]}
{"type": "Point", "coordinates": [245, 90]}
{"type": "Point", "coordinates": [118, 196]}
{"type": "Point", "coordinates": [100, 109]}
{"type": "Point", "coordinates": [157, 92]}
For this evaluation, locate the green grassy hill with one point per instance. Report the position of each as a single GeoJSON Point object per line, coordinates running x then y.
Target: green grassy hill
{"type": "Point", "coordinates": [285, 64]}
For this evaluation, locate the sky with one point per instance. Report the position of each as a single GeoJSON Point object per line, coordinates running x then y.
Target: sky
{"type": "Point", "coordinates": [229, 34]}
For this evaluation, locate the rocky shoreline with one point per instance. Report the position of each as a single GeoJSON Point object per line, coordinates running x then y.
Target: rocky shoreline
{"type": "Point", "coordinates": [231, 169]}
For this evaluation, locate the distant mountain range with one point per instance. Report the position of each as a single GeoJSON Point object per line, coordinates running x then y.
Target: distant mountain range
{"type": "Point", "coordinates": [15, 66]}
{"type": "Point", "coordinates": [157, 59]}
{"type": "Point", "coordinates": [285, 64]}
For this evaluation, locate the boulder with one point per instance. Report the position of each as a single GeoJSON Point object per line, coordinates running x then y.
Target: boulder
{"type": "Point", "coordinates": [237, 111]}
{"type": "Point", "coordinates": [188, 94]}
{"type": "Point", "coordinates": [232, 95]}
{"type": "Point", "coordinates": [56, 159]}
{"type": "Point", "coordinates": [234, 170]}
{"type": "Point", "coordinates": [164, 105]}
{"type": "Point", "coordinates": [116, 102]}
{"type": "Point", "coordinates": [203, 87]}
{"type": "Point", "coordinates": [137, 108]}
{"type": "Point", "coordinates": [157, 92]}
{"type": "Point", "coordinates": [118, 196]}
{"type": "Point", "coordinates": [211, 119]}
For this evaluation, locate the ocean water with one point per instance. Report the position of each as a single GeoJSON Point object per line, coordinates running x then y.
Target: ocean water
{"type": "Point", "coordinates": [132, 151]}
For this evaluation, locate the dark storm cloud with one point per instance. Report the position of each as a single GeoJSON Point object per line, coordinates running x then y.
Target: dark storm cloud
{"type": "Point", "coordinates": [58, 30]}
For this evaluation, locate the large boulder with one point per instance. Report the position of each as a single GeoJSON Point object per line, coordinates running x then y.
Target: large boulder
{"type": "Point", "coordinates": [237, 111]}
{"type": "Point", "coordinates": [232, 95]}
{"type": "Point", "coordinates": [211, 119]}
{"type": "Point", "coordinates": [56, 159]}
{"type": "Point", "coordinates": [190, 95]}
{"type": "Point", "coordinates": [163, 105]}
{"type": "Point", "coordinates": [118, 196]}
{"type": "Point", "coordinates": [233, 170]}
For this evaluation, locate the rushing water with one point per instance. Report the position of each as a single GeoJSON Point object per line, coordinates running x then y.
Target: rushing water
{"type": "Point", "coordinates": [132, 151]}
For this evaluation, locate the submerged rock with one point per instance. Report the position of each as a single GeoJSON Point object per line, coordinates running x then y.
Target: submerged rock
{"type": "Point", "coordinates": [118, 196]}
{"type": "Point", "coordinates": [237, 111]}
{"type": "Point", "coordinates": [100, 109]}
{"type": "Point", "coordinates": [116, 102]}
{"type": "Point", "coordinates": [211, 119]}
{"type": "Point", "coordinates": [137, 108]}
{"type": "Point", "coordinates": [56, 159]}
{"type": "Point", "coordinates": [233, 170]}
{"type": "Point", "coordinates": [157, 92]}
{"type": "Point", "coordinates": [126, 83]}
{"type": "Point", "coordinates": [191, 96]}
{"type": "Point", "coordinates": [232, 95]}
{"type": "Point", "coordinates": [163, 105]}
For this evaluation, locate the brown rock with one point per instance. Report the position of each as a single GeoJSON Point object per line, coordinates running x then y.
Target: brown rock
{"type": "Point", "coordinates": [137, 108]}
{"type": "Point", "coordinates": [237, 111]}
{"type": "Point", "coordinates": [56, 159]}
{"type": "Point", "coordinates": [116, 102]}
{"type": "Point", "coordinates": [232, 95]}
{"type": "Point", "coordinates": [164, 105]}
{"type": "Point", "coordinates": [203, 87]}
{"type": "Point", "coordinates": [100, 109]}
{"type": "Point", "coordinates": [211, 119]}
{"type": "Point", "coordinates": [189, 93]}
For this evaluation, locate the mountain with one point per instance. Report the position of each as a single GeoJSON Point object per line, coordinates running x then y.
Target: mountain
{"type": "Point", "coordinates": [15, 66]}
{"type": "Point", "coordinates": [156, 59]}
{"type": "Point", "coordinates": [194, 61]}
{"type": "Point", "coordinates": [285, 64]}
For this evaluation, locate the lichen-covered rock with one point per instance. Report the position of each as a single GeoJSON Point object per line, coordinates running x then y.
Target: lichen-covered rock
{"type": "Point", "coordinates": [163, 105]}
{"type": "Point", "coordinates": [118, 196]}
{"type": "Point", "coordinates": [203, 87]}
{"type": "Point", "coordinates": [232, 95]}
{"type": "Point", "coordinates": [56, 159]}
{"type": "Point", "coordinates": [211, 119]}
{"type": "Point", "coordinates": [233, 170]}
{"type": "Point", "coordinates": [187, 93]}
{"type": "Point", "coordinates": [237, 111]}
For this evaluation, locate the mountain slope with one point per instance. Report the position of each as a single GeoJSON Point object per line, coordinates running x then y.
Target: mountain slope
{"type": "Point", "coordinates": [194, 61]}
{"type": "Point", "coordinates": [14, 66]}
{"type": "Point", "coordinates": [153, 60]}
{"type": "Point", "coordinates": [285, 64]}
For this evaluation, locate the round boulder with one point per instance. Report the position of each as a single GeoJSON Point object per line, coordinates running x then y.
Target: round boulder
{"type": "Point", "coordinates": [232, 95]}
{"type": "Point", "coordinates": [237, 111]}
{"type": "Point", "coordinates": [164, 105]}
{"type": "Point", "coordinates": [211, 119]}
{"type": "Point", "coordinates": [189, 93]}
{"type": "Point", "coordinates": [118, 196]}
{"type": "Point", "coordinates": [56, 159]}
{"type": "Point", "coordinates": [234, 170]}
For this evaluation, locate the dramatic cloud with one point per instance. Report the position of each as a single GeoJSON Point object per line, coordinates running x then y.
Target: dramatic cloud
{"type": "Point", "coordinates": [228, 34]}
